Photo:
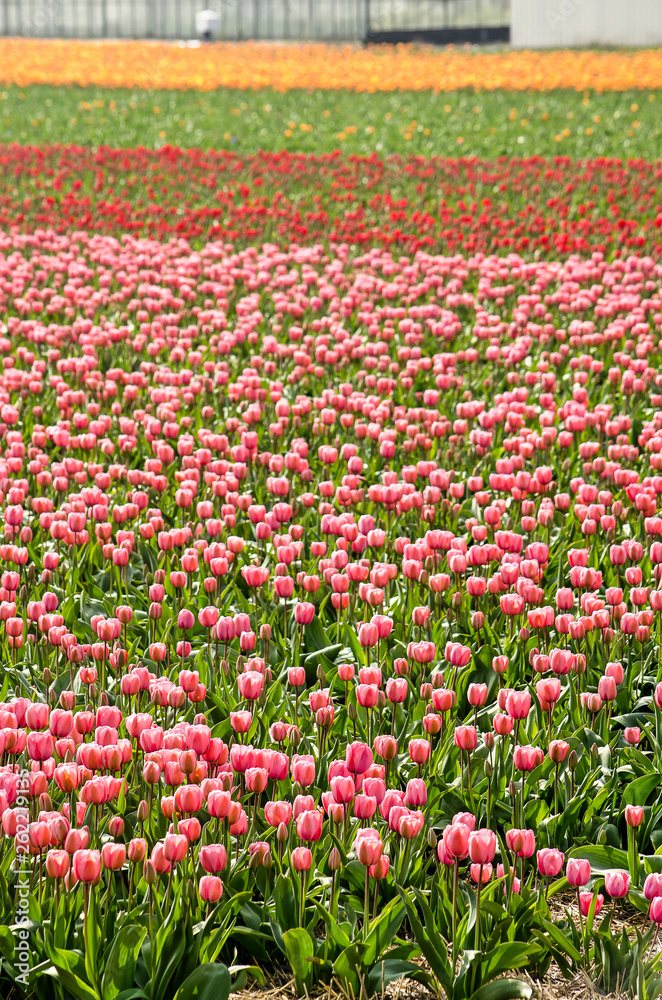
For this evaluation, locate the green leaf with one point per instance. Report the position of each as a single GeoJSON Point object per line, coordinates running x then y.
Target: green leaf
{"type": "Point", "coordinates": [121, 962]}
{"type": "Point", "coordinates": [601, 858]}
{"type": "Point", "coordinates": [387, 971]}
{"type": "Point", "coordinates": [346, 967]}
{"type": "Point", "coordinates": [285, 899]}
{"type": "Point", "coordinates": [240, 974]}
{"type": "Point", "coordinates": [315, 637]}
{"type": "Point", "coordinates": [507, 956]}
{"type": "Point", "coordinates": [636, 792]}
{"type": "Point", "coordinates": [334, 930]}
{"type": "Point", "coordinates": [209, 982]}
{"type": "Point", "coordinates": [330, 652]}
{"type": "Point", "coordinates": [383, 930]}
{"type": "Point", "coordinates": [427, 940]}
{"type": "Point", "coordinates": [61, 958]}
{"type": "Point", "coordinates": [172, 951]}
{"type": "Point", "coordinates": [504, 989]}
{"type": "Point", "coordinates": [93, 941]}
{"type": "Point", "coordinates": [76, 986]}
{"type": "Point", "coordinates": [556, 941]}
{"type": "Point", "coordinates": [300, 951]}
{"type": "Point", "coordinates": [223, 918]}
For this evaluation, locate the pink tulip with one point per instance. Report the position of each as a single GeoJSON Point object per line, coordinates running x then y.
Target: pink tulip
{"type": "Point", "coordinates": [653, 885]}
{"type": "Point", "coordinates": [550, 862]}
{"type": "Point", "coordinates": [578, 872]}
{"type": "Point", "coordinates": [634, 815]}
{"type": "Point", "coordinates": [175, 847]}
{"type": "Point", "coordinates": [518, 704]}
{"type": "Point", "coordinates": [302, 859]}
{"type": "Point", "coordinates": [419, 750]}
{"type": "Point", "coordinates": [482, 846]}
{"type": "Point", "coordinates": [368, 846]}
{"type": "Point", "coordinates": [309, 824]}
{"type": "Point", "coordinates": [87, 865]}
{"type": "Point", "coordinates": [585, 901]}
{"type": "Point", "coordinates": [466, 738]}
{"type": "Point", "coordinates": [456, 840]}
{"type": "Point", "coordinates": [213, 858]}
{"type": "Point", "coordinates": [358, 757]}
{"type": "Point", "coordinates": [617, 884]}
{"type": "Point", "coordinates": [210, 889]}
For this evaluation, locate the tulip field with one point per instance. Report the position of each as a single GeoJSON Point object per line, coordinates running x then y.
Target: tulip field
{"type": "Point", "coordinates": [331, 557]}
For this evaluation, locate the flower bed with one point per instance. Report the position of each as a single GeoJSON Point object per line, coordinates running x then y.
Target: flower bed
{"type": "Point", "coordinates": [330, 600]}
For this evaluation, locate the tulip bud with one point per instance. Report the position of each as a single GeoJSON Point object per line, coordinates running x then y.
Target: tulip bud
{"type": "Point", "coordinates": [48, 676]}
{"type": "Point", "coordinates": [321, 675]}
{"type": "Point", "coordinates": [512, 788]}
{"type": "Point", "coordinates": [595, 753]}
{"type": "Point", "coordinates": [488, 770]}
{"type": "Point", "coordinates": [573, 760]}
{"type": "Point", "coordinates": [149, 872]}
{"type": "Point", "coordinates": [190, 891]}
{"type": "Point", "coordinates": [432, 839]}
{"type": "Point", "coordinates": [281, 833]}
{"type": "Point", "coordinates": [335, 860]}
{"type": "Point", "coordinates": [188, 761]}
{"type": "Point", "coordinates": [351, 712]}
{"type": "Point", "coordinates": [143, 811]}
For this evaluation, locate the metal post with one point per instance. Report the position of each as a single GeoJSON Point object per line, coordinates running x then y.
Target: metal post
{"type": "Point", "coordinates": [367, 17]}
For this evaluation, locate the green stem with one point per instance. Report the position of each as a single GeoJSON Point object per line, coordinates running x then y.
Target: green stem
{"type": "Point", "coordinates": [480, 886]}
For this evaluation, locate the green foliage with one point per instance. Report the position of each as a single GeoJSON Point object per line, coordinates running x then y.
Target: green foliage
{"type": "Point", "coordinates": [489, 124]}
